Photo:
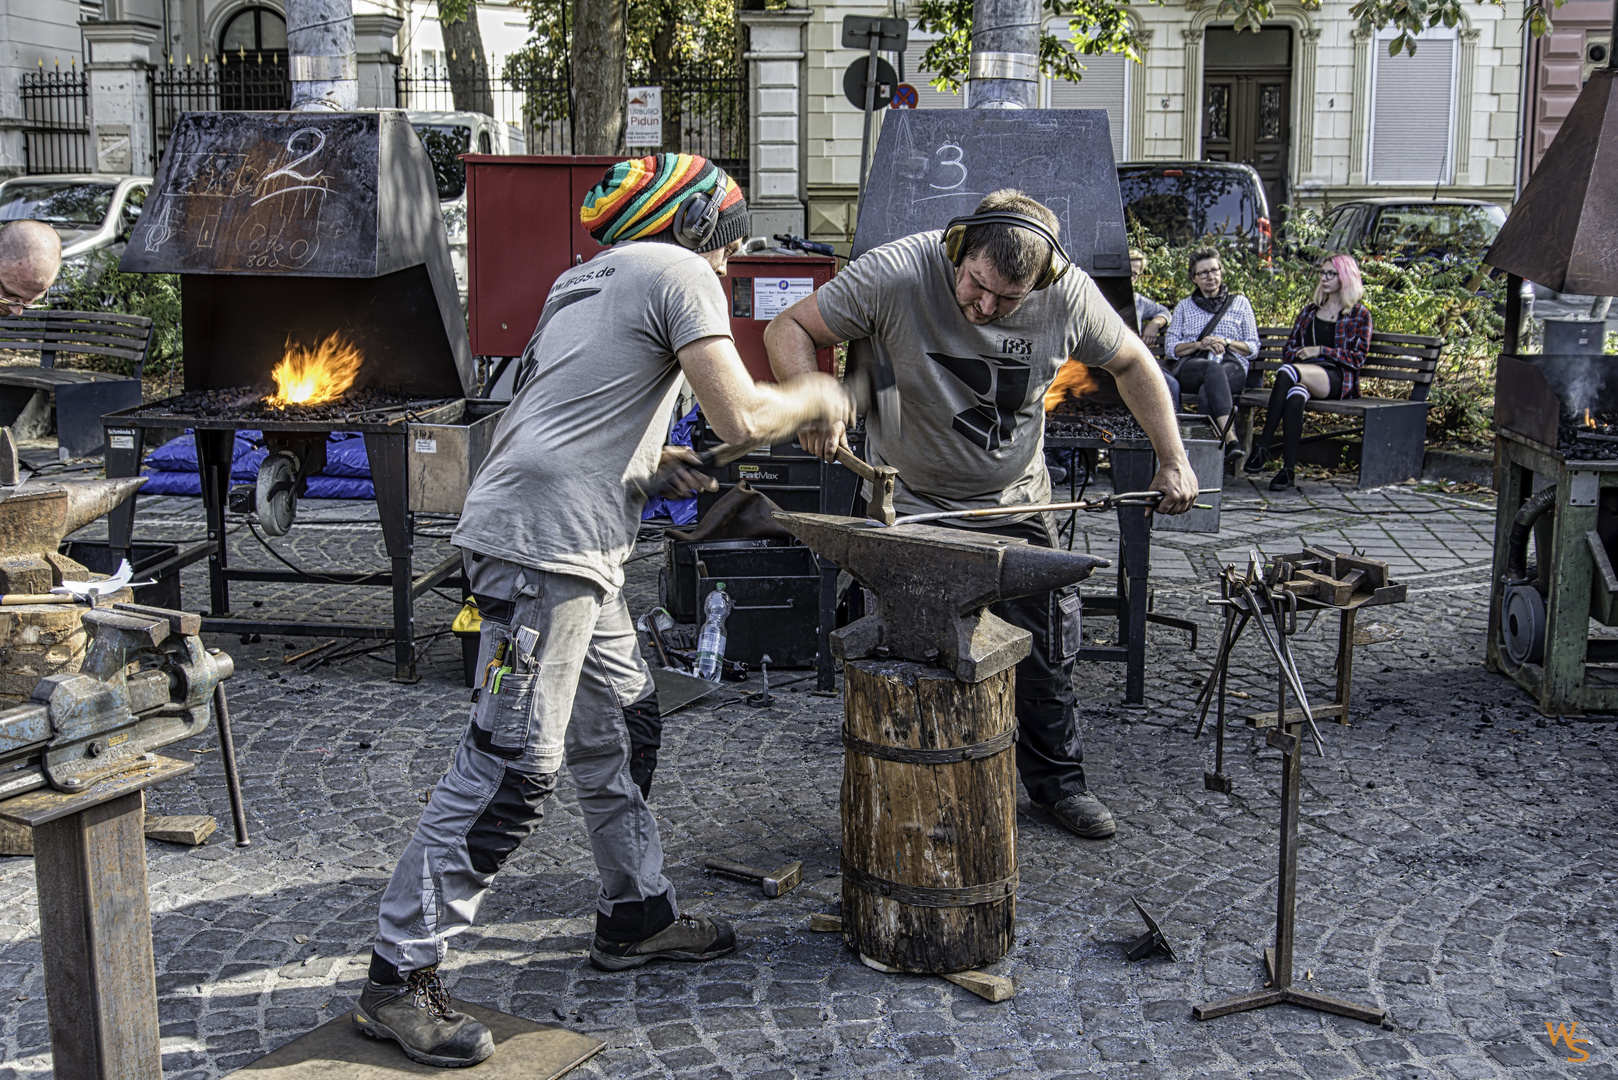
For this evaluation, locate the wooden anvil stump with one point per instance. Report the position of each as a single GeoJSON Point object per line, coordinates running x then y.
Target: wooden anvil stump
{"type": "Point", "coordinates": [929, 816]}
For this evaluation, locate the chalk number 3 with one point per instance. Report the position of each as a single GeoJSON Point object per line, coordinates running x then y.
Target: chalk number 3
{"type": "Point", "coordinates": [948, 157]}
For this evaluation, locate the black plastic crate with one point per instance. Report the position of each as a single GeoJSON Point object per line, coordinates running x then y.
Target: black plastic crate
{"type": "Point", "coordinates": [97, 556]}
{"type": "Point", "coordinates": [773, 616]}
{"type": "Point", "coordinates": [689, 562]}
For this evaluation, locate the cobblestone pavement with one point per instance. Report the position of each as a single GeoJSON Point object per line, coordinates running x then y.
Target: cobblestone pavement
{"type": "Point", "coordinates": [1457, 861]}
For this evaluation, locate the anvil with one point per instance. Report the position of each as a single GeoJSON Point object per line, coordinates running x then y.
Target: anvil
{"type": "Point", "coordinates": [933, 588]}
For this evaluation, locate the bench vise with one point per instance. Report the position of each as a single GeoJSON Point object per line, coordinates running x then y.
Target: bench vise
{"type": "Point", "coordinates": [147, 681]}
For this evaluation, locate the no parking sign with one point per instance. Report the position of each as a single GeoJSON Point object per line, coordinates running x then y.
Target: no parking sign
{"type": "Point", "coordinates": [904, 97]}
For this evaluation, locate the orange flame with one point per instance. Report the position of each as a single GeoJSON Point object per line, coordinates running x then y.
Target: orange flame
{"type": "Point", "coordinates": [308, 376]}
{"type": "Point", "coordinates": [1073, 380]}
{"type": "Point", "coordinates": [1587, 421]}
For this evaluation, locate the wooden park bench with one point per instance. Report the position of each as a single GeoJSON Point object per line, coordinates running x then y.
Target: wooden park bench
{"type": "Point", "coordinates": [80, 397]}
{"type": "Point", "coordinates": [1392, 431]}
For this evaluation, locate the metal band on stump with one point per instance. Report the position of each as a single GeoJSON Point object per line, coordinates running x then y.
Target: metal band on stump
{"type": "Point", "coordinates": [987, 893]}
{"type": "Point", "coordinates": [944, 755]}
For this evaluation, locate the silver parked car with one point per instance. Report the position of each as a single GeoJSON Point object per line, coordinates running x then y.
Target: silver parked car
{"type": "Point", "coordinates": [446, 136]}
{"type": "Point", "coordinates": [92, 214]}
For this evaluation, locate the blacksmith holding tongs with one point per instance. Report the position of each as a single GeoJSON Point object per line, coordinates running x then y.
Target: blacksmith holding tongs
{"type": "Point", "coordinates": [964, 330]}
{"type": "Point", "coordinates": [548, 524]}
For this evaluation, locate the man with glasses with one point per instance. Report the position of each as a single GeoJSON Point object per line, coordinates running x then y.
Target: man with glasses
{"type": "Point", "coordinates": [30, 258]}
{"type": "Point", "coordinates": [974, 321]}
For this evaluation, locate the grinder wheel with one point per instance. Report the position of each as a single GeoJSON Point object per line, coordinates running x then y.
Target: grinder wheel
{"type": "Point", "coordinates": [1522, 624]}
{"type": "Point", "coordinates": [277, 496]}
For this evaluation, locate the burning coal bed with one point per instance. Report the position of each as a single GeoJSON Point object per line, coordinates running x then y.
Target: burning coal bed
{"type": "Point", "coordinates": [247, 403]}
{"type": "Point", "coordinates": [1069, 421]}
{"type": "Point", "coordinates": [313, 385]}
{"type": "Point", "coordinates": [1592, 436]}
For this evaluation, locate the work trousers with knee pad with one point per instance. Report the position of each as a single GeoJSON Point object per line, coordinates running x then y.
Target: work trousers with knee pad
{"type": "Point", "coordinates": [569, 698]}
{"type": "Point", "coordinates": [1050, 750]}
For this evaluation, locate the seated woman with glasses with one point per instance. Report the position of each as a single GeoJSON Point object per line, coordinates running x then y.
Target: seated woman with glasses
{"type": "Point", "coordinates": [1322, 359]}
{"type": "Point", "coordinates": [1209, 339]}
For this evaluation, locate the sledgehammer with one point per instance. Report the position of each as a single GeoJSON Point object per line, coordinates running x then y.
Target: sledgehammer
{"type": "Point", "coordinates": [775, 885]}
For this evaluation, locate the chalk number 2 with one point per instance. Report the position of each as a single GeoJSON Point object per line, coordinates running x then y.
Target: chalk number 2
{"type": "Point", "coordinates": [948, 157]}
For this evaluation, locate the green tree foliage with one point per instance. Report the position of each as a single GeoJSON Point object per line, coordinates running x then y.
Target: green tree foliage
{"type": "Point", "coordinates": [1102, 26]}
{"type": "Point", "coordinates": [1436, 297]}
{"type": "Point", "coordinates": [666, 38]}
{"type": "Point", "coordinates": [98, 285]}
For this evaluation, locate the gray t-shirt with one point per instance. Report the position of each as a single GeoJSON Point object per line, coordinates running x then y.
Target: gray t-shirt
{"type": "Point", "coordinates": [972, 424]}
{"type": "Point", "coordinates": [560, 489]}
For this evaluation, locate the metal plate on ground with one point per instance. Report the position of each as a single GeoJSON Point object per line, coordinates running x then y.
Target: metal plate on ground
{"type": "Point", "coordinates": [676, 689]}
{"type": "Point", "coordinates": [522, 1049]}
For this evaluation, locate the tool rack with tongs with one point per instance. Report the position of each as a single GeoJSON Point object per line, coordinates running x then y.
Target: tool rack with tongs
{"type": "Point", "coordinates": [1255, 597]}
{"type": "Point", "coordinates": [1260, 597]}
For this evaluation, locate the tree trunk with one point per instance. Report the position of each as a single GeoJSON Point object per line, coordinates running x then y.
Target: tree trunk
{"type": "Point", "coordinates": [468, 63]}
{"type": "Point", "coordinates": [929, 807]}
{"type": "Point", "coordinates": [663, 70]}
{"type": "Point", "coordinates": [320, 52]}
{"type": "Point", "coordinates": [599, 36]}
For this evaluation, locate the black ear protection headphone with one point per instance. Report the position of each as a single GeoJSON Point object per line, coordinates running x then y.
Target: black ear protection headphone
{"type": "Point", "coordinates": [698, 216]}
{"type": "Point", "coordinates": [955, 241]}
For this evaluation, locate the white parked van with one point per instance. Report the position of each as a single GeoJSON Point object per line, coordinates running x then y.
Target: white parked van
{"type": "Point", "coordinates": [446, 136]}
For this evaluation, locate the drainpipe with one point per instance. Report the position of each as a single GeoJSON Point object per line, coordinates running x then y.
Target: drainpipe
{"type": "Point", "coordinates": [320, 54]}
{"type": "Point", "coordinates": [1004, 72]}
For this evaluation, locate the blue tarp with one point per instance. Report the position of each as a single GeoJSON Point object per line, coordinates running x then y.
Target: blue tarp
{"type": "Point", "coordinates": [172, 467]}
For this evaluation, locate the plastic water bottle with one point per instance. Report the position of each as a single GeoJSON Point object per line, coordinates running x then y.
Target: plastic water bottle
{"type": "Point", "coordinates": [711, 641]}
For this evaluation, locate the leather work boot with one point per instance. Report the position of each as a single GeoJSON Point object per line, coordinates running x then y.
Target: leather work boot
{"type": "Point", "coordinates": [687, 938]}
{"type": "Point", "coordinates": [1083, 814]}
{"type": "Point", "coordinates": [417, 1015]}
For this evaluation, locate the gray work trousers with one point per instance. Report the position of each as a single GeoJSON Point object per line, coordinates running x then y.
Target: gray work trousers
{"type": "Point", "coordinates": [565, 703]}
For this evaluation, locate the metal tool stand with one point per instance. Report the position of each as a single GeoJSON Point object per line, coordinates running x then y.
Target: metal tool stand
{"type": "Point", "coordinates": [96, 923]}
{"type": "Point", "coordinates": [1288, 738]}
{"type": "Point", "coordinates": [1131, 601]}
{"type": "Point", "coordinates": [385, 444]}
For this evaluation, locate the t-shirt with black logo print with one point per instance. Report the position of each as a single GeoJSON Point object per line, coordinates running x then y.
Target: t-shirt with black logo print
{"type": "Point", "coordinates": [972, 424]}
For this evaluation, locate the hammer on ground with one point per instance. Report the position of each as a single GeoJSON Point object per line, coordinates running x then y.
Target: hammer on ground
{"type": "Point", "coordinates": [774, 884]}
{"type": "Point", "coordinates": [880, 477]}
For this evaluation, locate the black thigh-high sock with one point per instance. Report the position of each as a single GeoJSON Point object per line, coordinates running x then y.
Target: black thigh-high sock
{"type": "Point", "coordinates": [1285, 379]}
{"type": "Point", "coordinates": [1292, 426]}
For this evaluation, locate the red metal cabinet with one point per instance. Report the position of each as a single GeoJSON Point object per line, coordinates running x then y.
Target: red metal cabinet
{"type": "Point", "coordinates": [523, 231]}
{"type": "Point", "coordinates": [758, 288]}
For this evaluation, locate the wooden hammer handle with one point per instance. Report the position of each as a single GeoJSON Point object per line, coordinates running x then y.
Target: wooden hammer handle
{"type": "Point", "coordinates": [849, 460]}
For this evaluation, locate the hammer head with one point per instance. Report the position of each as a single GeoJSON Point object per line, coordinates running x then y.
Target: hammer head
{"type": "Point", "coordinates": [933, 588]}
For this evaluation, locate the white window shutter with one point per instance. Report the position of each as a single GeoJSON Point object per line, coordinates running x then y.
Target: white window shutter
{"type": "Point", "coordinates": [927, 95]}
{"type": "Point", "coordinates": [1104, 86]}
{"type": "Point", "coordinates": [1413, 113]}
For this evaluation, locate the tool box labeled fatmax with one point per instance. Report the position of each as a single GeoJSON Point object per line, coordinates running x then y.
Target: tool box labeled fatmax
{"type": "Point", "coordinates": [774, 587]}
{"type": "Point", "coordinates": [790, 475]}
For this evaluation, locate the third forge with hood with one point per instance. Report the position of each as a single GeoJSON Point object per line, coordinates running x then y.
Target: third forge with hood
{"type": "Point", "coordinates": [1556, 412]}
{"type": "Point", "coordinates": [317, 296]}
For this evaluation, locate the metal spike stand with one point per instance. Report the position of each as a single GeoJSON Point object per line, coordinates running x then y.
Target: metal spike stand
{"type": "Point", "coordinates": [1256, 600]}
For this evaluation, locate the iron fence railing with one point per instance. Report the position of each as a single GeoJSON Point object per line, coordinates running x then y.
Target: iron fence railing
{"type": "Point", "coordinates": [55, 125]}
{"type": "Point", "coordinates": [703, 113]}
{"type": "Point", "coordinates": [244, 81]}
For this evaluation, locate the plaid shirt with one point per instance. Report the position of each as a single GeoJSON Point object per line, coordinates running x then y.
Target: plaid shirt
{"type": "Point", "coordinates": [1348, 351]}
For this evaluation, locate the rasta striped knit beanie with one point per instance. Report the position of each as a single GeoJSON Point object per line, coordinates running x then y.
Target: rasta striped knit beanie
{"type": "Point", "coordinates": [637, 199]}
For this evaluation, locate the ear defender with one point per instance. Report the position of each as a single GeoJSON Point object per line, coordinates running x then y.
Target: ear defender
{"type": "Point", "coordinates": [698, 216]}
{"type": "Point", "coordinates": [955, 241]}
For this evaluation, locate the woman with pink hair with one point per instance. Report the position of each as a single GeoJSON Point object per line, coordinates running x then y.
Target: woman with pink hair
{"type": "Point", "coordinates": [1322, 359]}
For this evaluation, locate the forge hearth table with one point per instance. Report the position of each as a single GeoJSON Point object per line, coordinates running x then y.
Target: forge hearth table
{"type": "Point", "coordinates": [1133, 466]}
{"type": "Point", "coordinates": [1540, 623]}
{"type": "Point", "coordinates": [287, 229]}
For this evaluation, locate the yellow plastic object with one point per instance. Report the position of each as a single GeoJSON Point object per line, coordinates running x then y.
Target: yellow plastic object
{"type": "Point", "coordinates": [468, 621]}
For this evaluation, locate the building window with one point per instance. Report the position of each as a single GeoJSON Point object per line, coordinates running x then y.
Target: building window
{"type": "Point", "coordinates": [253, 51]}
{"type": "Point", "coordinates": [429, 62]}
{"type": "Point", "coordinates": [1105, 86]}
{"type": "Point", "coordinates": [1413, 111]}
{"type": "Point", "coordinates": [912, 72]}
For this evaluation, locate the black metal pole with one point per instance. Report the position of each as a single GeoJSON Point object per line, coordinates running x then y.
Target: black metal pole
{"type": "Point", "coordinates": [1513, 313]}
{"type": "Point", "coordinates": [227, 752]}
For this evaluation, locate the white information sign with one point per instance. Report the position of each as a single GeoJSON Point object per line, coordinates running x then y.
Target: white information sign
{"type": "Point", "coordinates": [771, 296]}
{"type": "Point", "coordinates": [644, 119]}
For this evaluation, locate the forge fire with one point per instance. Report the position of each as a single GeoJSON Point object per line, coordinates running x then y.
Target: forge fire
{"type": "Point", "coordinates": [312, 376]}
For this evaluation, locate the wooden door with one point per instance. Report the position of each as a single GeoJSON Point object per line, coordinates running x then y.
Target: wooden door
{"type": "Point", "coordinates": [1245, 118]}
